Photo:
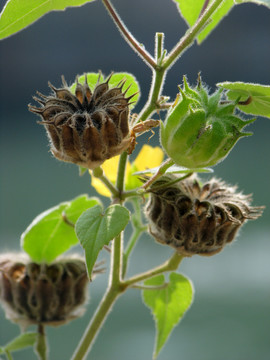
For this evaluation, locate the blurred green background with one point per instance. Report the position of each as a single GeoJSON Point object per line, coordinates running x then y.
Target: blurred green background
{"type": "Point", "coordinates": [230, 316]}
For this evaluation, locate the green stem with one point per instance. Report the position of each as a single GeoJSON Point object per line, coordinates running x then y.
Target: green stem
{"type": "Point", "coordinates": [159, 75]}
{"type": "Point", "coordinates": [159, 50]}
{"type": "Point", "coordinates": [190, 36]}
{"type": "Point", "coordinates": [8, 355]}
{"type": "Point", "coordinates": [138, 229]}
{"type": "Point", "coordinates": [120, 182]}
{"type": "Point", "coordinates": [134, 44]}
{"type": "Point", "coordinates": [117, 255]}
{"type": "Point", "coordinates": [114, 290]}
{"type": "Point", "coordinates": [96, 324]}
{"type": "Point", "coordinates": [162, 169]}
{"type": "Point", "coordinates": [170, 183]}
{"type": "Point", "coordinates": [98, 173]}
{"type": "Point", "coordinates": [169, 265]}
{"type": "Point", "coordinates": [41, 347]}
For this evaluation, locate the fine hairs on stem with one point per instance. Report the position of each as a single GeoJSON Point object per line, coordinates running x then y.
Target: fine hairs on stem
{"type": "Point", "coordinates": [159, 66]}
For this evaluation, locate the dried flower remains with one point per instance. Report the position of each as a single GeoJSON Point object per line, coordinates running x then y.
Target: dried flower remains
{"type": "Point", "coordinates": [34, 293]}
{"type": "Point", "coordinates": [86, 128]}
{"type": "Point", "coordinates": [194, 218]}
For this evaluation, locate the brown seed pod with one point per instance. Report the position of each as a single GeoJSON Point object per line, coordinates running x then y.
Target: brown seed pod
{"type": "Point", "coordinates": [86, 128]}
{"type": "Point", "coordinates": [40, 293]}
{"type": "Point", "coordinates": [194, 218]}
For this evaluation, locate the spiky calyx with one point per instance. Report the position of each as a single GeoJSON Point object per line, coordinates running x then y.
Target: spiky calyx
{"type": "Point", "coordinates": [40, 293]}
{"type": "Point", "coordinates": [86, 128]}
{"type": "Point", "coordinates": [194, 218]}
{"type": "Point", "coordinates": [201, 129]}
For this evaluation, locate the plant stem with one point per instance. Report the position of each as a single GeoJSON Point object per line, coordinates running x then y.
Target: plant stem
{"type": "Point", "coordinates": [186, 41]}
{"type": "Point", "coordinates": [138, 229]}
{"type": "Point", "coordinates": [98, 173]}
{"type": "Point", "coordinates": [41, 347]}
{"type": "Point", "coordinates": [159, 50]}
{"type": "Point", "coordinates": [117, 255]}
{"type": "Point", "coordinates": [113, 291]}
{"type": "Point", "coordinates": [95, 325]}
{"type": "Point", "coordinates": [120, 182]}
{"type": "Point", "coordinates": [8, 355]}
{"type": "Point", "coordinates": [162, 169]}
{"type": "Point", "coordinates": [135, 45]}
{"type": "Point", "coordinates": [169, 265]}
{"type": "Point", "coordinates": [159, 75]}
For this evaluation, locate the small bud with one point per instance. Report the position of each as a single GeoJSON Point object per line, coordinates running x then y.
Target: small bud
{"type": "Point", "coordinates": [86, 128]}
{"type": "Point", "coordinates": [194, 218]}
{"type": "Point", "coordinates": [199, 130]}
{"type": "Point", "coordinates": [40, 293]}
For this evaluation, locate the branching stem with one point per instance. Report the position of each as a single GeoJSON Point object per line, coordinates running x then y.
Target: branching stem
{"type": "Point", "coordinates": [187, 40]}
{"type": "Point", "coordinates": [159, 67]}
{"type": "Point", "coordinates": [136, 46]}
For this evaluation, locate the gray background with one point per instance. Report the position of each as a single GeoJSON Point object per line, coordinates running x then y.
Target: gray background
{"type": "Point", "coordinates": [229, 319]}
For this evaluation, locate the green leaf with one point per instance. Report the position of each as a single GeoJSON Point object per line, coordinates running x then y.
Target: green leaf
{"type": "Point", "coordinates": [82, 170]}
{"type": "Point", "coordinates": [22, 341]}
{"type": "Point", "coordinates": [93, 78]}
{"type": "Point", "coordinates": [51, 233]}
{"type": "Point", "coordinates": [259, 2]}
{"type": "Point", "coordinates": [260, 96]}
{"type": "Point", "coordinates": [168, 304]}
{"type": "Point", "coordinates": [191, 9]}
{"type": "Point", "coordinates": [18, 14]}
{"type": "Point", "coordinates": [96, 228]}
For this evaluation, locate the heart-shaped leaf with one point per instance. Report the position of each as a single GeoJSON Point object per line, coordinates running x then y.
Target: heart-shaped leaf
{"type": "Point", "coordinates": [168, 304]}
{"type": "Point", "coordinates": [51, 233]}
{"type": "Point", "coordinates": [96, 228]}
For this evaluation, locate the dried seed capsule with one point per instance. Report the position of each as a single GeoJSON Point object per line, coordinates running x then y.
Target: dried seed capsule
{"type": "Point", "coordinates": [194, 218]}
{"type": "Point", "coordinates": [86, 128]}
{"type": "Point", "coordinates": [40, 293]}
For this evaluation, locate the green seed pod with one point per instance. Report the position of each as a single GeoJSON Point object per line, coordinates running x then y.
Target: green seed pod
{"type": "Point", "coordinates": [201, 129]}
{"type": "Point", "coordinates": [196, 219]}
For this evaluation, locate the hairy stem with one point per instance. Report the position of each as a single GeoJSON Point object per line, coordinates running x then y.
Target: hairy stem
{"type": "Point", "coordinates": [138, 229]}
{"type": "Point", "coordinates": [159, 75]}
{"type": "Point", "coordinates": [169, 265]}
{"type": "Point", "coordinates": [98, 173]}
{"type": "Point", "coordinates": [162, 169]}
{"type": "Point", "coordinates": [41, 347]}
{"type": "Point", "coordinates": [113, 291]}
{"type": "Point", "coordinates": [187, 40]}
{"type": "Point", "coordinates": [8, 355]}
{"type": "Point", "coordinates": [135, 45]}
{"type": "Point", "coordinates": [120, 182]}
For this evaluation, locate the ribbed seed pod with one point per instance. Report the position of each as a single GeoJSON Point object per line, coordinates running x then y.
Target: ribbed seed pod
{"type": "Point", "coordinates": [197, 219]}
{"type": "Point", "coordinates": [39, 293]}
{"type": "Point", "coordinates": [86, 128]}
